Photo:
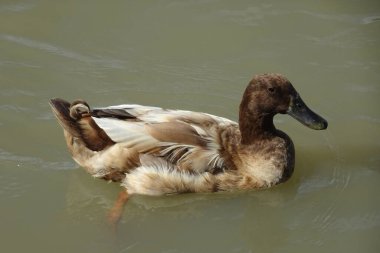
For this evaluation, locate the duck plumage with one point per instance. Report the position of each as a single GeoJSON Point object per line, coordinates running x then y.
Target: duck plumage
{"type": "Point", "coordinates": [156, 151]}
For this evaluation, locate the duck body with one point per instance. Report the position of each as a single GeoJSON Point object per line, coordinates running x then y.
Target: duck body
{"type": "Point", "coordinates": [154, 151]}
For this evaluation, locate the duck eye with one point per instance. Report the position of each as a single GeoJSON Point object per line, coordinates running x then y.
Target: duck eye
{"type": "Point", "coordinates": [271, 89]}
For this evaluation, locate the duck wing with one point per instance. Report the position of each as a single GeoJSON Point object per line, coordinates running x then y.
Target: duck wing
{"type": "Point", "coordinates": [189, 140]}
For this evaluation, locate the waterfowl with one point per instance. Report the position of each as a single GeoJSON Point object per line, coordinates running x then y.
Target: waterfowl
{"type": "Point", "coordinates": [155, 151]}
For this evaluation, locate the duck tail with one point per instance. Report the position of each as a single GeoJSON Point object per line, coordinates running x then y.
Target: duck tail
{"type": "Point", "coordinates": [76, 120]}
{"type": "Point", "coordinates": [61, 110]}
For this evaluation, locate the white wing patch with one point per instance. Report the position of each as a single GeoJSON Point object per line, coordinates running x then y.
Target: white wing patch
{"type": "Point", "coordinates": [128, 134]}
{"type": "Point", "coordinates": [133, 134]}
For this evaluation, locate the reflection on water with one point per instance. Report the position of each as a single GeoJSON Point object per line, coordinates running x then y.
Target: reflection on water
{"type": "Point", "coordinates": [194, 55]}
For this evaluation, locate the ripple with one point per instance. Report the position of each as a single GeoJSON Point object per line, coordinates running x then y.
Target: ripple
{"type": "Point", "coordinates": [16, 7]}
{"type": "Point", "coordinates": [363, 89]}
{"type": "Point", "coordinates": [15, 92]}
{"type": "Point", "coordinates": [251, 16]}
{"type": "Point", "coordinates": [313, 185]}
{"type": "Point", "coordinates": [338, 39]}
{"type": "Point", "coordinates": [110, 63]}
{"type": "Point", "coordinates": [335, 17]}
{"type": "Point", "coordinates": [358, 222]}
{"type": "Point", "coordinates": [254, 15]}
{"type": "Point", "coordinates": [368, 118]}
{"type": "Point", "coordinates": [45, 116]}
{"type": "Point", "coordinates": [334, 176]}
{"type": "Point", "coordinates": [196, 73]}
{"type": "Point", "coordinates": [18, 64]}
{"type": "Point", "coordinates": [22, 161]}
{"type": "Point", "coordinates": [340, 177]}
{"type": "Point", "coordinates": [14, 108]}
{"type": "Point", "coordinates": [11, 187]}
{"type": "Point", "coordinates": [324, 219]}
{"type": "Point", "coordinates": [370, 20]}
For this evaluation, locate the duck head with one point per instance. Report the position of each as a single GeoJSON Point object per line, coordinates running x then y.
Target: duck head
{"type": "Point", "coordinates": [269, 94]}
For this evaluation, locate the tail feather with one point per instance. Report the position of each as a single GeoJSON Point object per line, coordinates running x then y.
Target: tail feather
{"type": "Point", "coordinates": [74, 119]}
{"type": "Point", "coordinates": [61, 110]}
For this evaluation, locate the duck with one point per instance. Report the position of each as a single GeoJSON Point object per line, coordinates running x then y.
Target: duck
{"type": "Point", "coordinates": [154, 151]}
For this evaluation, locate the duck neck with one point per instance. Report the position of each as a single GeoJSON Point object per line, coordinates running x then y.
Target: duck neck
{"type": "Point", "coordinates": [255, 127]}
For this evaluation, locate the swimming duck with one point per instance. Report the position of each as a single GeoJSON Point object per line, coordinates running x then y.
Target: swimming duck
{"type": "Point", "coordinates": [155, 151]}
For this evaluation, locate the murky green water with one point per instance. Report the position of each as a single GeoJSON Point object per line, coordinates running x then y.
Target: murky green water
{"type": "Point", "coordinates": [195, 55]}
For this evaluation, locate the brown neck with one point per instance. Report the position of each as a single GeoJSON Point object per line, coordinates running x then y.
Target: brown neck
{"type": "Point", "coordinates": [255, 127]}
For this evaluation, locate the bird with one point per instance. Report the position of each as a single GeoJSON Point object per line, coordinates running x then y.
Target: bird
{"type": "Point", "coordinates": [154, 151]}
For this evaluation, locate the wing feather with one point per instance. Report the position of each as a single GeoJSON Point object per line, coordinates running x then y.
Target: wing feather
{"type": "Point", "coordinates": [189, 140]}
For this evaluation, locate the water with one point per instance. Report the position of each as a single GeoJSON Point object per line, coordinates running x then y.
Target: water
{"type": "Point", "coordinates": [195, 55]}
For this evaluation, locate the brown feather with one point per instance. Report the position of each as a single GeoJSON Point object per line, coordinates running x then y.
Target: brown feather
{"type": "Point", "coordinates": [188, 151]}
{"type": "Point", "coordinates": [61, 110]}
{"type": "Point", "coordinates": [94, 137]}
{"type": "Point", "coordinates": [80, 126]}
{"type": "Point", "coordinates": [176, 132]}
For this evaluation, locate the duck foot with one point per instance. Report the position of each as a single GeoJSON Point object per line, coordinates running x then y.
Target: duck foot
{"type": "Point", "coordinates": [116, 211]}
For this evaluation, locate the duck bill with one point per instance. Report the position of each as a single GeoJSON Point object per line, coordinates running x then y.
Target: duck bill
{"type": "Point", "coordinates": [299, 110]}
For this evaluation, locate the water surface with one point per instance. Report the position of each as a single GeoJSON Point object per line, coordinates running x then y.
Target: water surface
{"type": "Point", "coordinates": [194, 55]}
